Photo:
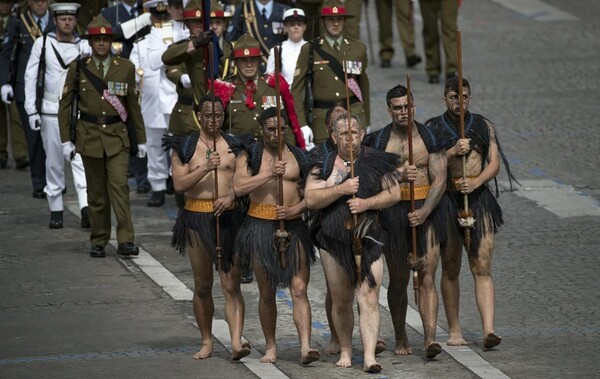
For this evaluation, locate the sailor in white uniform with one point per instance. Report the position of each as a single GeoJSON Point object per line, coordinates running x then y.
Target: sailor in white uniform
{"type": "Point", "coordinates": [294, 25]}
{"type": "Point", "coordinates": [158, 96]}
{"type": "Point", "coordinates": [60, 49]}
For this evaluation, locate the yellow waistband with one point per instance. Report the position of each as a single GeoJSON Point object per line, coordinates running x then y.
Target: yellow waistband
{"type": "Point", "coordinates": [264, 211]}
{"type": "Point", "coordinates": [420, 192]}
{"type": "Point", "coordinates": [202, 206]}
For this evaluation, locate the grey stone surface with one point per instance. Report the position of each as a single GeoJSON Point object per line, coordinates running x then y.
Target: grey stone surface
{"type": "Point", "coordinates": [65, 315]}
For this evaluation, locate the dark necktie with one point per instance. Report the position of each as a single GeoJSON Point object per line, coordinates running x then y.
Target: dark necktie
{"type": "Point", "coordinates": [264, 13]}
{"type": "Point", "coordinates": [336, 46]}
{"type": "Point", "coordinates": [39, 24]}
{"type": "Point", "coordinates": [101, 69]}
{"type": "Point", "coordinates": [133, 13]}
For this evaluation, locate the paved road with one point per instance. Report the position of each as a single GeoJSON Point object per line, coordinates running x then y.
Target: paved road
{"type": "Point", "coordinates": [534, 72]}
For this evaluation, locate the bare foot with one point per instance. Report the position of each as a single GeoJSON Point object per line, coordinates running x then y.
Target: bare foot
{"type": "Point", "coordinates": [491, 340]}
{"type": "Point", "coordinates": [433, 349]}
{"type": "Point", "coordinates": [345, 361]}
{"type": "Point", "coordinates": [456, 340]}
{"type": "Point", "coordinates": [270, 356]}
{"type": "Point", "coordinates": [373, 368]}
{"type": "Point", "coordinates": [244, 351]}
{"type": "Point", "coordinates": [333, 348]}
{"type": "Point", "coordinates": [380, 346]}
{"type": "Point", "coordinates": [205, 352]}
{"type": "Point", "coordinates": [403, 349]}
{"type": "Point", "coordinates": [311, 356]}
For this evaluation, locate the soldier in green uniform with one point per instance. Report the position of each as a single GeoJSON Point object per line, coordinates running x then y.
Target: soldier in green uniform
{"type": "Point", "coordinates": [406, 30]}
{"type": "Point", "coordinates": [109, 127]}
{"type": "Point", "coordinates": [319, 77]}
{"type": "Point", "coordinates": [354, 11]}
{"type": "Point", "coordinates": [218, 24]}
{"type": "Point", "coordinates": [249, 93]}
{"type": "Point", "coordinates": [9, 114]}
{"type": "Point", "coordinates": [445, 12]}
{"type": "Point", "coordinates": [190, 51]}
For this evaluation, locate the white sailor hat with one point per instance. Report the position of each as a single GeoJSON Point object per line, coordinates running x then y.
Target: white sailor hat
{"type": "Point", "coordinates": [294, 14]}
{"type": "Point", "coordinates": [64, 9]}
{"type": "Point", "coordinates": [159, 5]}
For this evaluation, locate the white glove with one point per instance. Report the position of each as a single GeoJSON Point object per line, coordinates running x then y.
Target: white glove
{"type": "Point", "coordinates": [68, 150]}
{"type": "Point", "coordinates": [134, 25]}
{"type": "Point", "coordinates": [7, 93]}
{"type": "Point", "coordinates": [142, 150]}
{"type": "Point", "coordinates": [185, 80]}
{"type": "Point", "coordinates": [308, 137]}
{"type": "Point", "coordinates": [35, 122]}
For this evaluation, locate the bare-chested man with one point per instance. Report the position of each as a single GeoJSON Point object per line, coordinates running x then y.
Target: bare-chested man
{"type": "Point", "coordinates": [257, 174]}
{"type": "Point", "coordinates": [429, 217]}
{"type": "Point", "coordinates": [194, 163]}
{"type": "Point", "coordinates": [483, 154]}
{"type": "Point", "coordinates": [328, 189]}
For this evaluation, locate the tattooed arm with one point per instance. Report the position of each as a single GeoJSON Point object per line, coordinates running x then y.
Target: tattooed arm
{"type": "Point", "coordinates": [318, 194]}
{"type": "Point", "coordinates": [437, 169]}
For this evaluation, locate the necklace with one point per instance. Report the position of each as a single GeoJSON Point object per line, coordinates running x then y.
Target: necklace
{"type": "Point", "coordinates": [208, 149]}
{"type": "Point", "coordinates": [346, 162]}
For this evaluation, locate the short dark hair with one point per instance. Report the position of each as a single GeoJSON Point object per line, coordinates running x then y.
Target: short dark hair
{"type": "Point", "coordinates": [396, 92]}
{"type": "Point", "coordinates": [330, 112]}
{"type": "Point", "coordinates": [452, 85]}
{"type": "Point", "coordinates": [204, 99]}
{"type": "Point", "coordinates": [270, 113]}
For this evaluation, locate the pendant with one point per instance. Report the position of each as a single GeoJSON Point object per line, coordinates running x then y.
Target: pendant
{"type": "Point", "coordinates": [208, 152]}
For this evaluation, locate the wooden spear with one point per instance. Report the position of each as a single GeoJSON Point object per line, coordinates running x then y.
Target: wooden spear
{"type": "Point", "coordinates": [218, 247]}
{"type": "Point", "coordinates": [465, 217]}
{"type": "Point", "coordinates": [409, 131]}
{"type": "Point", "coordinates": [282, 237]}
{"type": "Point", "coordinates": [356, 241]}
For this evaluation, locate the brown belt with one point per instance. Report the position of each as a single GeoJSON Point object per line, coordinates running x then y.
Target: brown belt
{"type": "Point", "coordinates": [420, 192]}
{"type": "Point", "coordinates": [264, 211]}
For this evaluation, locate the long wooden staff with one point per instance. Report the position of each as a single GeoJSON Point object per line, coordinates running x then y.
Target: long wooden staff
{"type": "Point", "coordinates": [282, 238]}
{"type": "Point", "coordinates": [218, 247]}
{"type": "Point", "coordinates": [356, 241]}
{"type": "Point", "coordinates": [413, 240]}
{"type": "Point", "coordinates": [465, 217]}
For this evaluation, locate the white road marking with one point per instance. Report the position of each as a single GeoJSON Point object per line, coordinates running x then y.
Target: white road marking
{"type": "Point", "coordinates": [562, 200]}
{"type": "Point", "coordinates": [537, 10]}
{"type": "Point", "coordinates": [462, 354]}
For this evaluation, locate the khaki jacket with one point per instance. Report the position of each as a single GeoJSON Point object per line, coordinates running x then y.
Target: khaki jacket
{"type": "Point", "coordinates": [95, 140]}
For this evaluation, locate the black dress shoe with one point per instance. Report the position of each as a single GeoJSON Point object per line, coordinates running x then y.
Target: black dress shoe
{"type": "Point", "coordinates": [56, 220]}
{"type": "Point", "coordinates": [413, 60]}
{"type": "Point", "coordinates": [247, 276]}
{"type": "Point", "coordinates": [386, 63]}
{"type": "Point", "coordinates": [97, 252]}
{"type": "Point", "coordinates": [127, 249]}
{"type": "Point", "coordinates": [39, 194]}
{"type": "Point", "coordinates": [22, 163]}
{"type": "Point", "coordinates": [3, 163]}
{"type": "Point", "coordinates": [434, 79]}
{"type": "Point", "coordinates": [157, 199]}
{"type": "Point", "coordinates": [85, 218]}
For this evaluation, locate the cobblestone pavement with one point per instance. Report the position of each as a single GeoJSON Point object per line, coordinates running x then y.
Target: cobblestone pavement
{"type": "Point", "coordinates": [65, 315]}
